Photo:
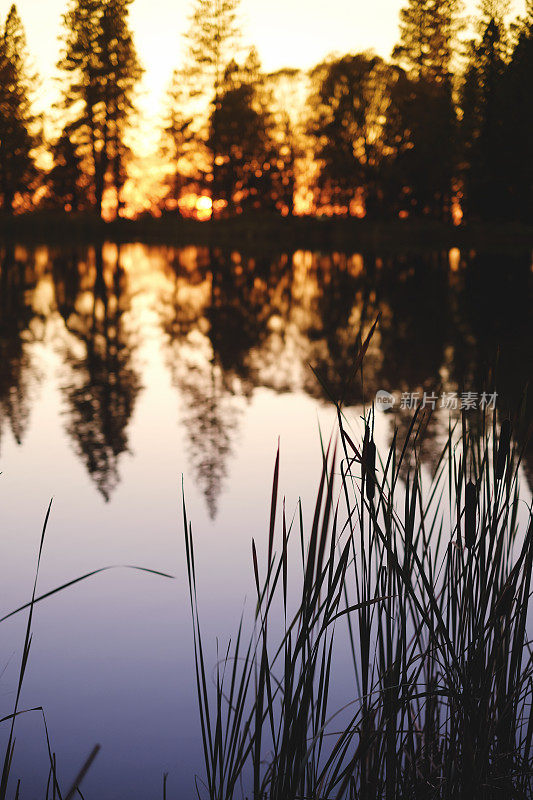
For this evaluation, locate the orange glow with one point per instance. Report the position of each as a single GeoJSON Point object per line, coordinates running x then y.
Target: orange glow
{"type": "Point", "coordinates": [357, 205]}
{"type": "Point", "coordinates": [457, 211]}
{"type": "Point", "coordinates": [109, 205]}
{"type": "Point", "coordinates": [333, 210]}
{"type": "Point", "coordinates": [303, 202]}
{"type": "Point", "coordinates": [187, 204]}
{"type": "Point", "coordinates": [454, 259]}
{"type": "Point", "coordinates": [204, 207]}
{"type": "Point", "coordinates": [39, 194]}
{"type": "Point", "coordinates": [219, 205]}
{"type": "Point", "coordinates": [196, 206]}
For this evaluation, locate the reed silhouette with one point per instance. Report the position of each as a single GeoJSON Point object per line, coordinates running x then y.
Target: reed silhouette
{"type": "Point", "coordinates": [428, 590]}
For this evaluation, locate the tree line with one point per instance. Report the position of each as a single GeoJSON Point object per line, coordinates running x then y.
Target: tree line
{"type": "Point", "coordinates": [441, 130]}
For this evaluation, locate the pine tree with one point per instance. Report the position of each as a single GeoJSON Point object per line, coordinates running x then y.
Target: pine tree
{"type": "Point", "coordinates": [351, 100]}
{"type": "Point", "coordinates": [123, 72]}
{"type": "Point", "coordinates": [102, 69]}
{"type": "Point", "coordinates": [65, 177]}
{"type": "Point", "coordinates": [17, 140]}
{"type": "Point", "coordinates": [212, 39]}
{"type": "Point", "coordinates": [178, 135]}
{"type": "Point", "coordinates": [428, 33]}
{"type": "Point", "coordinates": [241, 127]}
{"type": "Point", "coordinates": [483, 103]}
{"type": "Point", "coordinates": [518, 122]}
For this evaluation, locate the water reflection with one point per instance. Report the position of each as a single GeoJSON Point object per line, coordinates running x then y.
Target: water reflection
{"type": "Point", "coordinates": [228, 323]}
{"type": "Point", "coordinates": [18, 327]}
{"type": "Point", "coordinates": [99, 384]}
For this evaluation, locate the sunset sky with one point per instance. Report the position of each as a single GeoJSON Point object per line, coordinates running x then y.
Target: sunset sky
{"type": "Point", "coordinates": [295, 33]}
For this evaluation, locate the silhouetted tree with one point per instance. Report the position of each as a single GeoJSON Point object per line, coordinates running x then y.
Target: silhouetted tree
{"type": "Point", "coordinates": [102, 69]}
{"type": "Point", "coordinates": [482, 101]}
{"type": "Point", "coordinates": [178, 139]}
{"type": "Point", "coordinates": [284, 92]}
{"type": "Point", "coordinates": [66, 176]}
{"type": "Point", "coordinates": [17, 140]}
{"type": "Point", "coordinates": [428, 31]}
{"type": "Point", "coordinates": [212, 38]}
{"type": "Point", "coordinates": [285, 167]}
{"type": "Point", "coordinates": [351, 98]}
{"type": "Point", "coordinates": [517, 113]}
{"type": "Point", "coordinates": [422, 125]}
{"type": "Point", "coordinates": [240, 126]}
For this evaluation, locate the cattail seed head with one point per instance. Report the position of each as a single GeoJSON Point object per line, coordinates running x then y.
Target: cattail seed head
{"type": "Point", "coordinates": [370, 469]}
{"type": "Point", "coordinates": [470, 514]}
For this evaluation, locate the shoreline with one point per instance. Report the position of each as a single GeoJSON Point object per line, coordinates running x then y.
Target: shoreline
{"type": "Point", "coordinates": [267, 232]}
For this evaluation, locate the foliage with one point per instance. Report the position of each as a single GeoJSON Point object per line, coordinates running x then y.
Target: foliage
{"type": "Point", "coordinates": [428, 37]}
{"type": "Point", "coordinates": [483, 129]}
{"type": "Point", "coordinates": [440, 131]}
{"type": "Point", "coordinates": [65, 179]}
{"type": "Point", "coordinates": [211, 42]}
{"type": "Point", "coordinates": [428, 41]}
{"type": "Point", "coordinates": [423, 125]}
{"type": "Point", "coordinates": [377, 130]}
{"type": "Point", "coordinates": [248, 172]}
{"type": "Point", "coordinates": [212, 38]}
{"type": "Point", "coordinates": [352, 100]}
{"type": "Point", "coordinates": [101, 70]}
{"type": "Point", "coordinates": [17, 139]}
{"type": "Point", "coordinates": [518, 116]}
{"type": "Point", "coordinates": [178, 140]}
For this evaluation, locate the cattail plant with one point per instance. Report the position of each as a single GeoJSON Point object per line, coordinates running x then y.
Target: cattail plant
{"type": "Point", "coordinates": [425, 590]}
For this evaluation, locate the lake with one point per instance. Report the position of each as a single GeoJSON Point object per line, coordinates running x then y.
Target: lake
{"type": "Point", "coordinates": [124, 368]}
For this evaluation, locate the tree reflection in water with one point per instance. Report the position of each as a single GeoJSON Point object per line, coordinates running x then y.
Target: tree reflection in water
{"type": "Point", "coordinates": [100, 385]}
{"type": "Point", "coordinates": [18, 372]}
{"type": "Point", "coordinates": [229, 323]}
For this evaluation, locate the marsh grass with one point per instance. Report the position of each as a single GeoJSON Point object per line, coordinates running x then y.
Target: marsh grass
{"type": "Point", "coordinates": [429, 582]}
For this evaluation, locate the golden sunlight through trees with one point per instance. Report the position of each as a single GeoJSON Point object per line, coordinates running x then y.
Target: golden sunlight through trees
{"type": "Point", "coordinates": [427, 133]}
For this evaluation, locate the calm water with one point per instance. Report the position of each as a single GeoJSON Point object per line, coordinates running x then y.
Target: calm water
{"type": "Point", "coordinates": [124, 369]}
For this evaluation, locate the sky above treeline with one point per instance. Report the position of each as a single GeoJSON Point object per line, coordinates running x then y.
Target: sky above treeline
{"type": "Point", "coordinates": [286, 33]}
